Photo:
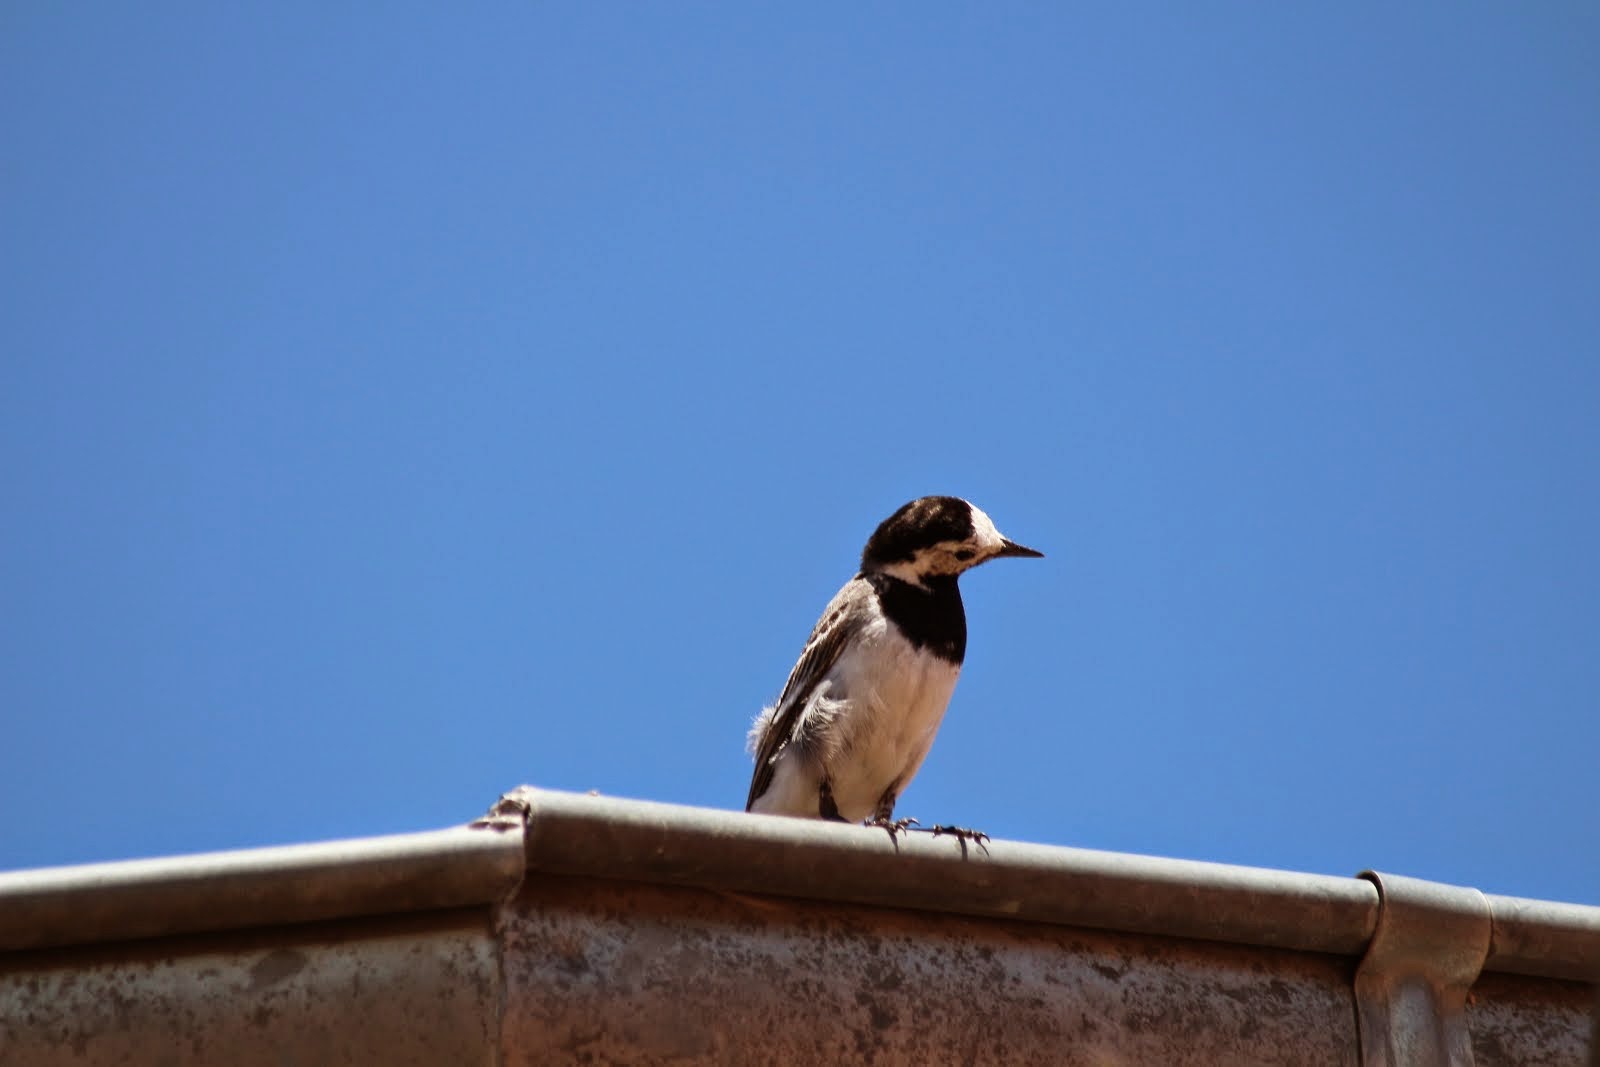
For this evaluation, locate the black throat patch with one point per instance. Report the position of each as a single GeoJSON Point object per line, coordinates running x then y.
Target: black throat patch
{"type": "Point", "coordinates": [931, 619]}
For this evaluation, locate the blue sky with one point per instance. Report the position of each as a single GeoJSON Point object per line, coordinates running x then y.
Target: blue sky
{"type": "Point", "coordinates": [396, 407]}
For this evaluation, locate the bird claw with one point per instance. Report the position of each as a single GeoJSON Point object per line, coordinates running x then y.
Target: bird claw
{"type": "Point", "coordinates": [962, 834]}
{"type": "Point", "coordinates": [893, 826]}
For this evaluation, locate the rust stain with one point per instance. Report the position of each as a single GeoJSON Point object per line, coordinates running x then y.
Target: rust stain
{"type": "Point", "coordinates": [671, 975]}
{"type": "Point", "coordinates": [276, 966]}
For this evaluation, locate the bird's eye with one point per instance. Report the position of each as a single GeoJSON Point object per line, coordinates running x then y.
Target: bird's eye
{"type": "Point", "coordinates": [963, 554]}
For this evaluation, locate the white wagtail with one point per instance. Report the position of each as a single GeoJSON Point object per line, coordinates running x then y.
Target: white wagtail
{"type": "Point", "coordinates": [859, 711]}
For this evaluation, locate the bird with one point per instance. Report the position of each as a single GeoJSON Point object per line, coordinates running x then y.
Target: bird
{"type": "Point", "coordinates": [860, 709]}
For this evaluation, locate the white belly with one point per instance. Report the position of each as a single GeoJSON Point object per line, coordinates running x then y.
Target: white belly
{"type": "Point", "coordinates": [892, 698]}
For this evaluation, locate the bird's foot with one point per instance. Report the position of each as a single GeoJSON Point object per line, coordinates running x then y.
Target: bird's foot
{"type": "Point", "coordinates": [893, 826]}
{"type": "Point", "coordinates": [962, 834]}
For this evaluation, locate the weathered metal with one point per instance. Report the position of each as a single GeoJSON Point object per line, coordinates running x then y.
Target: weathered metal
{"type": "Point", "coordinates": [1519, 1021]}
{"type": "Point", "coordinates": [408, 993]}
{"type": "Point", "coordinates": [265, 886]}
{"type": "Point", "coordinates": [585, 929]}
{"type": "Point", "coordinates": [609, 838]}
{"type": "Point", "coordinates": [1411, 988]}
{"type": "Point", "coordinates": [605, 972]}
{"type": "Point", "coordinates": [1544, 938]}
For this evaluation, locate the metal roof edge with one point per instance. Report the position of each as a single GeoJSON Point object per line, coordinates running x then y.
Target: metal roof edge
{"type": "Point", "coordinates": [58, 906]}
{"type": "Point", "coordinates": [642, 841]}
{"type": "Point", "coordinates": [1543, 938]}
{"type": "Point", "coordinates": [584, 834]}
{"type": "Point", "coordinates": [580, 834]}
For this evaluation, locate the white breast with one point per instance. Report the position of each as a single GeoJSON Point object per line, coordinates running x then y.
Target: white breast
{"type": "Point", "coordinates": [891, 698]}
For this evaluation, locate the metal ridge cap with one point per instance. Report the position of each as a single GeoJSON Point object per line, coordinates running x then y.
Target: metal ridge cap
{"type": "Point", "coordinates": [644, 841]}
{"type": "Point", "coordinates": [125, 900]}
{"type": "Point", "coordinates": [1543, 938]}
{"type": "Point", "coordinates": [638, 840]}
{"type": "Point", "coordinates": [578, 834]}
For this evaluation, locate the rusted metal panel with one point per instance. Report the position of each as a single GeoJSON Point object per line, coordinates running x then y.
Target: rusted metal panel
{"type": "Point", "coordinates": [410, 993]}
{"type": "Point", "coordinates": [650, 933]}
{"type": "Point", "coordinates": [1529, 1022]}
{"type": "Point", "coordinates": [608, 972]}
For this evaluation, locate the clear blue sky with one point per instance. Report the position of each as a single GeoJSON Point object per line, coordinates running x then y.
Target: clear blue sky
{"type": "Point", "coordinates": [399, 405]}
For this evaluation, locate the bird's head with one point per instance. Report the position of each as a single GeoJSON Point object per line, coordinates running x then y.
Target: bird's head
{"type": "Point", "coordinates": [935, 536]}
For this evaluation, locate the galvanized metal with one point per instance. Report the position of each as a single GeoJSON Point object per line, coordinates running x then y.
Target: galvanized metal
{"type": "Point", "coordinates": [256, 887]}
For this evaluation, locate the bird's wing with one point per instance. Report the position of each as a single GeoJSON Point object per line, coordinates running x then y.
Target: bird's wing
{"type": "Point", "coordinates": [838, 625]}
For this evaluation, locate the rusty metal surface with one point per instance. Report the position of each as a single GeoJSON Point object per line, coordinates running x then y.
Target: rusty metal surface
{"type": "Point", "coordinates": [1594, 1038]}
{"type": "Point", "coordinates": [605, 837]}
{"type": "Point", "coordinates": [1411, 988]}
{"type": "Point", "coordinates": [408, 993]}
{"type": "Point", "coordinates": [1528, 1022]}
{"type": "Point", "coordinates": [648, 933]}
{"type": "Point", "coordinates": [229, 890]}
{"type": "Point", "coordinates": [608, 838]}
{"type": "Point", "coordinates": [607, 972]}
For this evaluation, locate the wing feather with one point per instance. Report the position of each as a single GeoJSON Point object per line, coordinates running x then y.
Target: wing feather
{"type": "Point", "coordinates": [833, 632]}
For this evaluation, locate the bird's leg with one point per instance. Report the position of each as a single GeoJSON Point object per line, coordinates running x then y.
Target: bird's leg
{"type": "Point", "coordinates": [826, 807]}
{"type": "Point", "coordinates": [883, 815]}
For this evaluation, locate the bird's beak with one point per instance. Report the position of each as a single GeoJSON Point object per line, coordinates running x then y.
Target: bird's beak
{"type": "Point", "coordinates": [1011, 548]}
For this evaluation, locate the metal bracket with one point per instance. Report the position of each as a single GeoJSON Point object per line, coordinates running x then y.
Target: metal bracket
{"type": "Point", "coordinates": [1411, 987]}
